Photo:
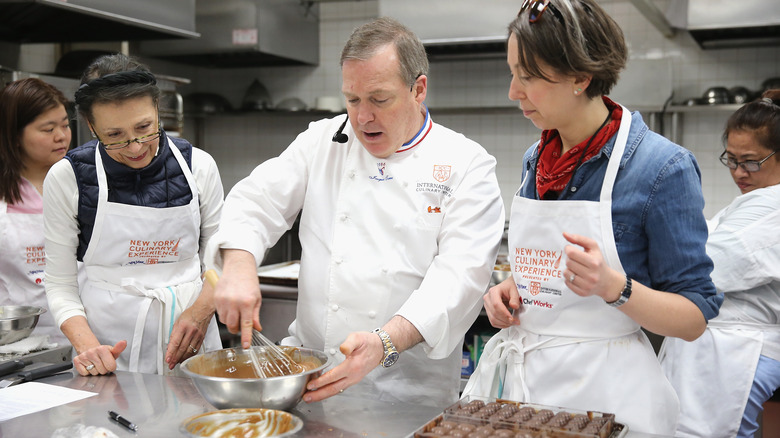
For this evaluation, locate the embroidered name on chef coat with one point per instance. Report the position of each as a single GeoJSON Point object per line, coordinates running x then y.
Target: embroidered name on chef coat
{"type": "Point", "coordinates": [382, 169]}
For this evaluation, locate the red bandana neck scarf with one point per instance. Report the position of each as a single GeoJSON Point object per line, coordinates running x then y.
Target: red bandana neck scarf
{"type": "Point", "coordinates": [554, 171]}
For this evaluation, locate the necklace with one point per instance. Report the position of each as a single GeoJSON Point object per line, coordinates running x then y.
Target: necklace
{"type": "Point", "coordinates": [579, 160]}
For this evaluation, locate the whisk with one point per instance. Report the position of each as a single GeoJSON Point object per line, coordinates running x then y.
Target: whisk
{"type": "Point", "coordinates": [275, 361]}
{"type": "Point", "coordinates": [278, 362]}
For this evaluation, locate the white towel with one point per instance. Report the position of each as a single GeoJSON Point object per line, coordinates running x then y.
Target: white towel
{"type": "Point", "coordinates": [27, 345]}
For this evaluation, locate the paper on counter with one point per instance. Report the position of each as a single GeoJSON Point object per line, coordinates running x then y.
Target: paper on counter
{"type": "Point", "coordinates": [30, 397]}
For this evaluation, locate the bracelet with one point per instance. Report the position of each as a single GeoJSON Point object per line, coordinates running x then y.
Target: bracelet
{"type": "Point", "coordinates": [624, 296]}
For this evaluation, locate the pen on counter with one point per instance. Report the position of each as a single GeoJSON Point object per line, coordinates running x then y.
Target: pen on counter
{"type": "Point", "coordinates": [122, 420]}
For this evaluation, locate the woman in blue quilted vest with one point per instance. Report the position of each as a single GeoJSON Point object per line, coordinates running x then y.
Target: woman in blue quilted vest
{"type": "Point", "coordinates": [126, 217]}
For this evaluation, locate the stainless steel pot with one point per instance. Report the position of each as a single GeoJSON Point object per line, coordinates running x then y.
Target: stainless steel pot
{"type": "Point", "coordinates": [17, 322]}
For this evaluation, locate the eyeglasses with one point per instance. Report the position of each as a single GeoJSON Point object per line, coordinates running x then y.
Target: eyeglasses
{"type": "Point", "coordinates": [536, 8]}
{"type": "Point", "coordinates": [748, 166]}
{"type": "Point", "coordinates": [140, 140]}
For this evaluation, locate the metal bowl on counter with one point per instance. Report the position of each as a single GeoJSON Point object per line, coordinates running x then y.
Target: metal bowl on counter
{"type": "Point", "coordinates": [220, 377]}
{"type": "Point", "coordinates": [18, 322]}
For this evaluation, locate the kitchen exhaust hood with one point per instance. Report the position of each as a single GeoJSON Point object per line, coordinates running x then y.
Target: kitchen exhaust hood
{"type": "Point", "coordinates": [717, 24]}
{"type": "Point", "coordinates": [456, 29]}
{"type": "Point", "coordinates": [57, 21]}
{"type": "Point", "coordinates": [246, 33]}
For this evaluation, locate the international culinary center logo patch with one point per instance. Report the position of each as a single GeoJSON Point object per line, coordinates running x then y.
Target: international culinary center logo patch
{"type": "Point", "coordinates": [441, 172]}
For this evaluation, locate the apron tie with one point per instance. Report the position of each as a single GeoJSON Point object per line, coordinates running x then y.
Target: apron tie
{"type": "Point", "coordinates": [505, 348]}
{"type": "Point", "coordinates": [167, 299]}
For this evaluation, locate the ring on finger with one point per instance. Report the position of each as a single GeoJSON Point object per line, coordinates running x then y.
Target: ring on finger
{"type": "Point", "coordinates": [89, 367]}
{"type": "Point", "coordinates": [193, 349]}
{"type": "Point", "coordinates": [341, 391]}
{"type": "Point", "coordinates": [572, 277]}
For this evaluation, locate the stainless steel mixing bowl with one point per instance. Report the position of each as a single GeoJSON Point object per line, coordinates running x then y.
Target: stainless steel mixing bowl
{"type": "Point", "coordinates": [17, 322]}
{"type": "Point", "coordinates": [283, 392]}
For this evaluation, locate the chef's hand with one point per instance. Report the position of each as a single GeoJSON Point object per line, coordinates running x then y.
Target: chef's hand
{"type": "Point", "coordinates": [102, 358]}
{"type": "Point", "coordinates": [501, 301]}
{"type": "Point", "coordinates": [187, 334]}
{"type": "Point", "coordinates": [587, 273]}
{"type": "Point", "coordinates": [363, 351]}
{"type": "Point", "coordinates": [237, 295]}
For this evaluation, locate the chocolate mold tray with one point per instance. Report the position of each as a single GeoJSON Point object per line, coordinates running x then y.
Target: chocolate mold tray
{"type": "Point", "coordinates": [478, 417]}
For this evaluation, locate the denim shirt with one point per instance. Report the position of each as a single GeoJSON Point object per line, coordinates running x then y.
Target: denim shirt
{"type": "Point", "coordinates": [657, 212]}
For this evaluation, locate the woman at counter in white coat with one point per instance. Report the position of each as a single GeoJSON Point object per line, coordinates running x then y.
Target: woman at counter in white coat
{"type": "Point", "coordinates": [724, 377]}
{"type": "Point", "coordinates": [137, 207]}
{"type": "Point", "coordinates": [34, 134]}
{"type": "Point", "coordinates": [600, 244]}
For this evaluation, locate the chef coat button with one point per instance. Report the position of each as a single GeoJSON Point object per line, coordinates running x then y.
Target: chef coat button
{"type": "Point", "coordinates": [338, 260]}
{"type": "Point", "coordinates": [332, 351]}
{"type": "Point", "coordinates": [384, 270]}
{"type": "Point", "coordinates": [372, 314]}
{"type": "Point", "coordinates": [574, 189]}
{"type": "Point", "coordinates": [334, 307]}
{"type": "Point", "coordinates": [352, 174]}
{"type": "Point", "coordinates": [344, 218]}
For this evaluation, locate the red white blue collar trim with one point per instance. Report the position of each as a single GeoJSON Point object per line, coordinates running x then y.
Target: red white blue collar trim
{"type": "Point", "coordinates": [420, 136]}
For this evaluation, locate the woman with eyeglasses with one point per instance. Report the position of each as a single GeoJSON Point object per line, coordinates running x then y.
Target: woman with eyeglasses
{"type": "Point", "coordinates": [734, 367]}
{"type": "Point", "coordinates": [34, 134]}
{"type": "Point", "coordinates": [606, 234]}
{"type": "Point", "coordinates": [137, 207]}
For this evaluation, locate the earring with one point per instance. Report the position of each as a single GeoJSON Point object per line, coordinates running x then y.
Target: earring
{"type": "Point", "coordinates": [577, 91]}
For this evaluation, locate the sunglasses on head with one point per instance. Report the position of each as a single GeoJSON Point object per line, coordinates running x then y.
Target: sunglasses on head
{"type": "Point", "coordinates": [536, 8]}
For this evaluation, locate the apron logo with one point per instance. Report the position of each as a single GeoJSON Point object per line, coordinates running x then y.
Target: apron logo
{"type": "Point", "coordinates": [441, 172]}
{"type": "Point", "coordinates": [152, 252]}
{"type": "Point", "coordinates": [380, 166]}
{"type": "Point", "coordinates": [534, 288]}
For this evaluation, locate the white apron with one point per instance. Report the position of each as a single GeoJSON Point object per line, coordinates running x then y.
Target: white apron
{"type": "Point", "coordinates": [143, 270]}
{"type": "Point", "coordinates": [21, 267]}
{"type": "Point", "coordinates": [570, 351]}
{"type": "Point", "coordinates": [714, 373]}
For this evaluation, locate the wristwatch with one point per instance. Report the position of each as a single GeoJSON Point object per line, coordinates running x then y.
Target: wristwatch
{"type": "Point", "coordinates": [624, 296]}
{"type": "Point", "coordinates": [391, 354]}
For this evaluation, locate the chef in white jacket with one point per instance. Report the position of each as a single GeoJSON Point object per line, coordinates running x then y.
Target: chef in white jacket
{"type": "Point", "coordinates": [400, 227]}
{"type": "Point", "coordinates": [724, 377]}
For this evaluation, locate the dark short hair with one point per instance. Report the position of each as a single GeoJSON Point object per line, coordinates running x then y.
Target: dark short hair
{"type": "Point", "coordinates": [760, 117]}
{"type": "Point", "coordinates": [580, 39]}
{"type": "Point", "coordinates": [369, 38]}
{"type": "Point", "coordinates": [21, 102]}
{"type": "Point", "coordinates": [114, 78]}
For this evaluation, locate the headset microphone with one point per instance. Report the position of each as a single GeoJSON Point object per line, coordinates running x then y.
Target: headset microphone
{"type": "Point", "coordinates": [339, 136]}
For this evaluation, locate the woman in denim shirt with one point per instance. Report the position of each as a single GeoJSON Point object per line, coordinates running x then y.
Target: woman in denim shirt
{"type": "Point", "coordinates": [606, 234]}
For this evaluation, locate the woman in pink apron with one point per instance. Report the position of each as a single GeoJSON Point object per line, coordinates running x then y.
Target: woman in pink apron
{"type": "Point", "coordinates": [600, 244]}
{"type": "Point", "coordinates": [136, 207]}
{"type": "Point", "coordinates": [34, 134]}
{"type": "Point", "coordinates": [734, 367]}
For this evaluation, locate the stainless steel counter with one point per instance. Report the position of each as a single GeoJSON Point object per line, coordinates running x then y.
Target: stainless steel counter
{"type": "Point", "coordinates": [158, 404]}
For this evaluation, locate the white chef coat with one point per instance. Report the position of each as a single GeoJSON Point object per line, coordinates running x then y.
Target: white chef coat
{"type": "Point", "coordinates": [415, 234]}
{"type": "Point", "coordinates": [22, 258]}
{"type": "Point", "coordinates": [62, 240]}
{"type": "Point", "coordinates": [572, 351]}
{"type": "Point", "coordinates": [715, 372]}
